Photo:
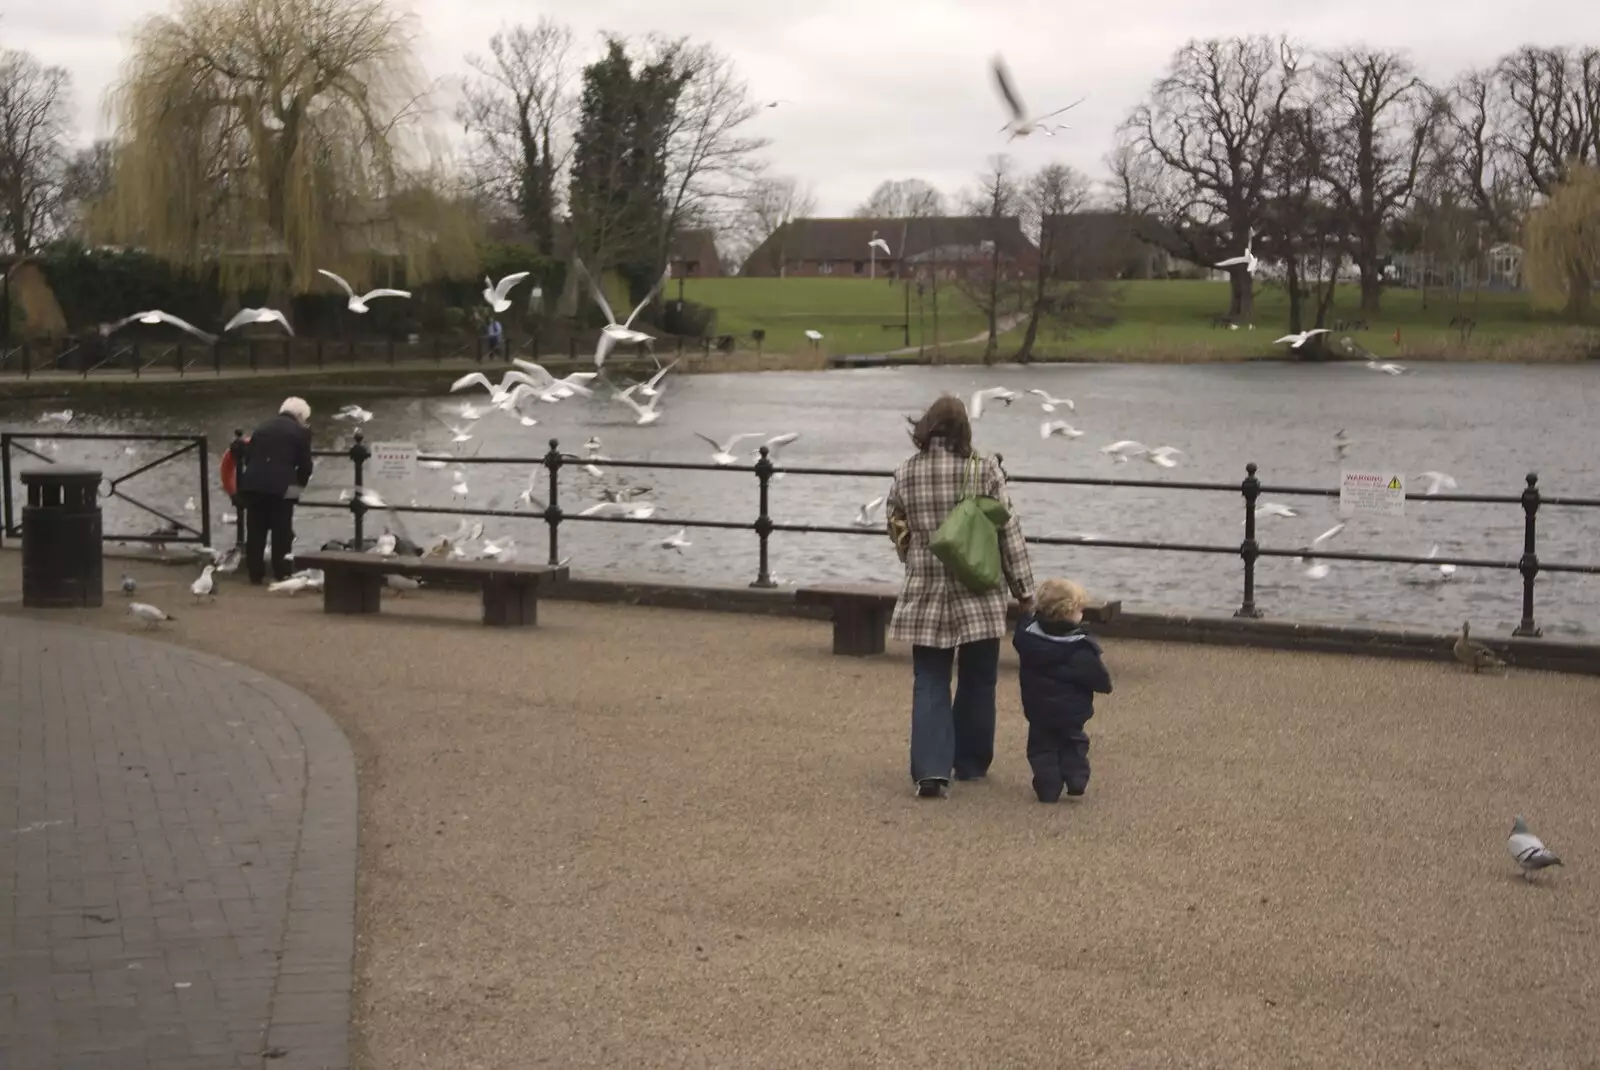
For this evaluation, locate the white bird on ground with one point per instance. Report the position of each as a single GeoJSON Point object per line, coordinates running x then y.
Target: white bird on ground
{"type": "Point", "coordinates": [1248, 260]}
{"type": "Point", "coordinates": [1125, 449]}
{"type": "Point", "coordinates": [129, 584]}
{"type": "Point", "coordinates": [150, 615]}
{"type": "Point", "coordinates": [457, 434]}
{"type": "Point", "coordinates": [384, 545]}
{"type": "Point", "coordinates": [1048, 404]}
{"type": "Point", "coordinates": [1529, 850]}
{"type": "Point", "coordinates": [353, 412]}
{"type": "Point", "coordinates": [614, 332]}
{"type": "Point", "coordinates": [205, 586]}
{"type": "Point", "coordinates": [1438, 481]}
{"type": "Point", "coordinates": [258, 315]}
{"type": "Point", "coordinates": [359, 304]}
{"type": "Point", "coordinates": [1274, 509]}
{"type": "Point", "coordinates": [401, 585]}
{"type": "Point", "coordinates": [815, 336]}
{"type": "Point", "coordinates": [1021, 125]}
{"type": "Point", "coordinates": [62, 417]}
{"type": "Point", "coordinates": [1297, 340]}
{"type": "Point", "coordinates": [723, 451]}
{"type": "Point", "coordinates": [155, 316]}
{"type": "Point", "coordinates": [980, 397]}
{"type": "Point", "coordinates": [1058, 427]}
{"type": "Point", "coordinates": [881, 245]}
{"type": "Point", "coordinates": [1163, 455]}
{"type": "Point", "coordinates": [647, 414]}
{"type": "Point", "coordinates": [677, 542]}
{"type": "Point", "coordinates": [1387, 368]}
{"type": "Point", "coordinates": [495, 292]}
{"type": "Point", "coordinates": [1314, 568]}
{"type": "Point", "coordinates": [864, 517]}
{"type": "Point", "coordinates": [294, 585]}
{"type": "Point", "coordinates": [649, 387]}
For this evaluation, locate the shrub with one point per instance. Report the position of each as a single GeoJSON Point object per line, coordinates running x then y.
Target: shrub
{"type": "Point", "coordinates": [688, 318]}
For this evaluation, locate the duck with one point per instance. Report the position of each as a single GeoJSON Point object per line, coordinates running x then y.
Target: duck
{"type": "Point", "coordinates": [1469, 651]}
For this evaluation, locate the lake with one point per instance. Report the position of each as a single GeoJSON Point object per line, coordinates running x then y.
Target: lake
{"type": "Point", "coordinates": [1488, 425]}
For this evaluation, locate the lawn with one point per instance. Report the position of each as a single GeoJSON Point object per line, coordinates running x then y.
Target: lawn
{"type": "Point", "coordinates": [1156, 320]}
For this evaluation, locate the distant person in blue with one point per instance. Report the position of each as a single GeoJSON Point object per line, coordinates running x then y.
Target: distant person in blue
{"type": "Point", "coordinates": [1061, 674]}
{"type": "Point", "coordinates": [495, 333]}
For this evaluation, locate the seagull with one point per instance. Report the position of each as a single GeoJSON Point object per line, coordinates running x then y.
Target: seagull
{"type": "Point", "coordinates": [551, 388]}
{"type": "Point", "coordinates": [1445, 571]}
{"type": "Point", "coordinates": [614, 332]}
{"type": "Point", "coordinates": [1020, 125]}
{"type": "Point", "coordinates": [129, 584]}
{"type": "Point", "coordinates": [1049, 403]}
{"type": "Point", "coordinates": [998, 393]}
{"type": "Point", "coordinates": [676, 542]}
{"type": "Point", "coordinates": [648, 414]}
{"type": "Point", "coordinates": [1438, 481]}
{"type": "Point", "coordinates": [189, 505]}
{"type": "Point", "coordinates": [457, 434]}
{"type": "Point", "coordinates": [1529, 850]}
{"type": "Point", "coordinates": [724, 450]}
{"type": "Point", "coordinates": [293, 585]}
{"type": "Point", "coordinates": [1058, 427]}
{"type": "Point", "coordinates": [815, 336]}
{"type": "Point", "coordinates": [384, 546]}
{"type": "Point", "coordinates": [1125, 450]}
{"type": "Point", "coordinates": [359, 304]}
{"type": "Point", "coordinates": [1163, 455]}
{"type": "Point", "coordinates": [649, 387]}
{"type": "Point", "coordinates": [495, 292]}
{"type": "Point", "coordinates": [1297, 340]}
{"type": "Point", "coordinates": [864, 517]}
{"type": "Point", "coordinates": [150, 615]}
{"type": "Point", "coordinates": [459, 487]}
{"type": "Point", "coordinates": [205, 585]}
{"type": "Point", "coordinates": [468, 411]}
{"type": "Point", "coordinates": [1314, 568]}
{"type": "Point", "coordinates": [155, 316]}
{"type": "Point", "coordinates": [1274, 509]}
{"type": "Point", "coordinates": [1387, 368]}
{"type": "Point", "coordinates": [1341, 445]}
{"type": "Point", "coordinates": [258, 315]}
{"type": "Point", "coordinates": [627, 510]}
{"type": "Point", "coordinates": [1248, 260]}
{"type": "Point", "coordinates": [881, 245]}
{"type": "Point", "coordinates": [401, 584]}
{"type": "Point", "coordinates": [772, 445]}
{"type": "Point", "coordinates": [353, 412]}
{"type": "Point", "coordinates": [62, 417]}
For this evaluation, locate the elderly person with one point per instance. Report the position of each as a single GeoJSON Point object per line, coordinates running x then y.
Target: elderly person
{"type": "Point", "coordinates": [277, 467]}
{"type": "Point", "coordinates": [948, 626]}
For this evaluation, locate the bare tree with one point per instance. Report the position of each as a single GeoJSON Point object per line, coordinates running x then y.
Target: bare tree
{"type": "Point", "coordinates": [1381, 118]}
{"type": "Point", "coordinates": [1302, 224]}
{"type": "Point", "coordinates": [33, 128]}
{"type": "Point", "coordinates": [85, 185]}
{"type": "Point", "coordinates": [1479, 160]}
{"type": "Point", "coordinates": [517, 106]}
{"type": "Point", "coordinates": [997, 199]}
{"type": "Point", "coordinates": [1048, 201]}
{"type": "Point", "coordinates": [281, 129]}
{"type": "Point", "coordinates": [769, 205]}
{"type": "Point", "coordinates": [903, 198]}
{"type": "Point", "coordinates": [1210, 126]}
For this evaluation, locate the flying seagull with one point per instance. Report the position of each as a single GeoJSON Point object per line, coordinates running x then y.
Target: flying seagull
{"type": "Point", "coordinates": [981, 397]}
{"type": "Point", "coordinates": [724, 454]}
{"type": "Point", "coordinates": [1314, 568]}
{"type": "Point", "coordinates": [880, 245]}
{"type": "Point", "coordinates": [1438, 481]}
{"type": "Point", "coordinates": [1297, 340]}
{"type": "Point", "coordinates": [495, 292]}
{"type": "Point", "coordinates": [864, 517]}
{"type": "Point", "coordinates": [1386, 367]}
{"type": "Point", "coordinates": [1163, 456]}
{"type": "Point", "coordinates": [1125, 449]}
{"type": "Point", "coordinates": [1021, 125]}
{"type": "Point", "coordinates": [1248, 259]}
{"type": "Point", "coordinates": [155, 316]}
{"type": "Point", "coordinates": [1048, 403]}
{"type": "Point", "coordinates": [359, 304]}
{"type": "Point", "coordinates": [614, 332]}
{"type": "Point", "coordinates": [1529, 850]}
{"type": "Point", "coordinates": [647, 414]}
{"type": "Point", "coordinates": [258, 315]}
{"type": "Point", "coordinates": [1058, 427]}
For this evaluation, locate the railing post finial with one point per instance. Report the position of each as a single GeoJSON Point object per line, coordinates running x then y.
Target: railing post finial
{"type": "Point", "coordinates": [1528, 564]}
{"type": "Point", "coordinates": [552, 508]}
{"type": "Point", "coordinates": [1249, 549]}
{"type": "Point", "coordinates": [763, 524]}
{"type": "Point", "coordinates": [358, 506]}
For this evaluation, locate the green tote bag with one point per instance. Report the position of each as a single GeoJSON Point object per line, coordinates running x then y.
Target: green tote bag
{"type": "Point", "coordinates": [968, 542]}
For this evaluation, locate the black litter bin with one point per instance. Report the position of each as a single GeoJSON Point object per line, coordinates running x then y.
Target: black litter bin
{"type": "Point", "coordinates": [61, 550]}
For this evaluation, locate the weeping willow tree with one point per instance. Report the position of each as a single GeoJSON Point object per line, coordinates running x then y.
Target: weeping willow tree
{"type": "Point", "coordinates": [1561, 258]}
{"type": "Point", "coordinates": [275, 137]}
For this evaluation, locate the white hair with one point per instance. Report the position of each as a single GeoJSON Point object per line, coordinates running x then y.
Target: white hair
{"type": "Point", "coordinates": [297, 408]}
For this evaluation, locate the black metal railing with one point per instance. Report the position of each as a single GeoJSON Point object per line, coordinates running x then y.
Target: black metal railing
{"type": "Point", "coordinates": [1249, 550]}
{"type": "Point", "coordinates": [14, 445]}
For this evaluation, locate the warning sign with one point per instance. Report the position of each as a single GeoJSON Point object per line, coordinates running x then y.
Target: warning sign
{"type": "Point", "coordinates": [1372, 494]}
{"type": "Point", "coordinates": [393, 464]}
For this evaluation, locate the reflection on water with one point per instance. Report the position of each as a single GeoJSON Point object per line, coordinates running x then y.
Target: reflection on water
{"type": "Point", "coordinates": [1488, 425]}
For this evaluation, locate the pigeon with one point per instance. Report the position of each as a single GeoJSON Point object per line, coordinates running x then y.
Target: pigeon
{"type": "Point", "coordinates": [150, 615]}
{"type": "Point", "coordinates": [1529, 850]}
{"type": "Point", "coordinates": [205, 585]}
{"type": "Point", "coordinates": [359, 304]}
{"type": "Point", "coordinates": [129, 585]}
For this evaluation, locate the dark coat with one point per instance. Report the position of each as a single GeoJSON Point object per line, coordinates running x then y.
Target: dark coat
{"type": "Point", "coordinates": [277, 457]}
{"type": "Point", "coordinates": [1061, 672]}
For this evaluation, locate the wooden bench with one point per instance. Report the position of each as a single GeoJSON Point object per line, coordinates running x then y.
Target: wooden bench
{"type": "Point", "coordinates": [352, 582]}
{"type": "Point", "coordinates": [861, 614]}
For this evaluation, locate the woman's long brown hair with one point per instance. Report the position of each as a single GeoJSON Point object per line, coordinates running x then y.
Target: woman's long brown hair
{"type": "Point", "coordinates": [945, 419]}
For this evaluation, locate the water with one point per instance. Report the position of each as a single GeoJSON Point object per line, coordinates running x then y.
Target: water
{"type": "Point", "coordinates": [1486, 424]}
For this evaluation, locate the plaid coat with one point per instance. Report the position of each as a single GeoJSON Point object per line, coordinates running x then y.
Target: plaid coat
{"type": "Point", "coordinates": [934, 608]}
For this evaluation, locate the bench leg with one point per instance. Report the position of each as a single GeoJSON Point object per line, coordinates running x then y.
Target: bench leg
{"type": "Point", "coordinates": [859, 631]}
{"type": "Point", "coordinates": [350, 592]}
{"type": "Point", "coordinates": [510, 603]}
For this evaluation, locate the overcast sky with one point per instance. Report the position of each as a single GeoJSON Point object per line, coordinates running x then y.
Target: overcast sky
{"type": "Point", "coordinates": [893, 88]}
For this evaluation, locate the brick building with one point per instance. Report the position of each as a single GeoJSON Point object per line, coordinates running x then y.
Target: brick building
{"type": "Point", "coordinates": [839, 248]}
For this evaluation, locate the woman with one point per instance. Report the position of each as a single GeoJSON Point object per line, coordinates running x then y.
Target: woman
{"type": "Point", "coordinates": [947, 625]}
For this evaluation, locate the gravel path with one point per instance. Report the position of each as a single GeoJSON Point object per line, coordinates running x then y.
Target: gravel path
{"type": "Point", "coordinates": [642, 837]}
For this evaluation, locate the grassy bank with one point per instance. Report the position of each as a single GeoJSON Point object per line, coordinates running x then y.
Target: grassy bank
{"type": "Point", "coordinates": [1158, 321]}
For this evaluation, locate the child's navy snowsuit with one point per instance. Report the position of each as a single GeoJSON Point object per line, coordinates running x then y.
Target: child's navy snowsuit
{"type": "Point", "coordinates": [1061, 671]}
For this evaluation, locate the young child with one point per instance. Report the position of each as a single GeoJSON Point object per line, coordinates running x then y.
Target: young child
{"type": "Point", "coordinates": [1061, 672]}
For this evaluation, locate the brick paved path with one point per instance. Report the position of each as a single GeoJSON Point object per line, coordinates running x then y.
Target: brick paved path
{"type": "Point", "coordinates": [177, 846]}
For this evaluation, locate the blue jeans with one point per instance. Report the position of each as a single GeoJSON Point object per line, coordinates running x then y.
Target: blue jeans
{"type": "Point", "coordinates": [958, 735]}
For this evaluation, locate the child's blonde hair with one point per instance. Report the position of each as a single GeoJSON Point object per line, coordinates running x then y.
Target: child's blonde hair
{"type": "Point", "coordinates": [1059, 599]}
